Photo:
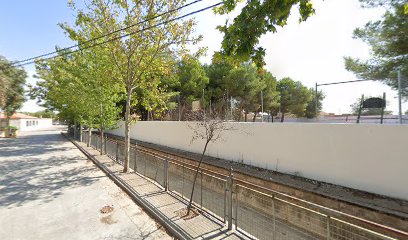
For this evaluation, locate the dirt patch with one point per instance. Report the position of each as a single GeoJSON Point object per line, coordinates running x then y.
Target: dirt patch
{"type": "Point", "coordinates": [182, 213]}
{"type": "Point", "coordinates": [108, 220]}
{"type": "Point", "coordinates": [106, 209]}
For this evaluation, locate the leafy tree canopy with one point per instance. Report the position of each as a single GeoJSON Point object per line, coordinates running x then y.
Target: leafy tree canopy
{"type": "Point", "coordinates": [311, 111]}
{"type": "Point", "coordinates": [294, 97]}
{"type": "Point", "coordinates": [388, 39]}
{"type": "Point", "coordinates": [257, 17]}
{"type": "Point", "coordinates": [12, 80]}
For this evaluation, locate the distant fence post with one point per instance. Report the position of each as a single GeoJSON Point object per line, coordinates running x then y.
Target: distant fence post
{"type": "Point", "coordinates": [135, 166]}
{"type": "Point", "coordinates": [104, 146]}
{"type": "Point", "coordinates": [230, 184]}
{"type": "Point", "coordinates": [117, 151]}
{"type": "Point", "coordinates": [273, 217]}
{"type": "Point", "coordinates": [166, 175]}
{"type": "Point", "coordinates": [328, 227]}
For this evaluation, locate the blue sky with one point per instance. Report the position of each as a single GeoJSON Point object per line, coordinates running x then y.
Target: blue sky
{"type": "Point", "coordinates": [309, 52]}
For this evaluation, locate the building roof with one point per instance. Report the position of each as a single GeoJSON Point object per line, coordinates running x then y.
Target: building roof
{"type": "Point", "coordinates": [17, 116]}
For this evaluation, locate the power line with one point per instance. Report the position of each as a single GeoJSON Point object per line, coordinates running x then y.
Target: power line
{"type": "Point", "coordinates": [103, 36]}
{"type": "Point", "coordinates": [334, 83]}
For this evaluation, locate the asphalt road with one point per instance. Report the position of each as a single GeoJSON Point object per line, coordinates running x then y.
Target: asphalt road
{"type": "Point", "coordinates": [49, 190]}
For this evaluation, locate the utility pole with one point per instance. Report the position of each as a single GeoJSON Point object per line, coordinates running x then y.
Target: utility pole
{"type": "Point", "coordinates": [399, 97]}
{"type": "Point", "coordinates": [262, 105]}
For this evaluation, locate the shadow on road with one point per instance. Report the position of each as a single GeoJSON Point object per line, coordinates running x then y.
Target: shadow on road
{"type": "Point", "coordinates": [40, 167]}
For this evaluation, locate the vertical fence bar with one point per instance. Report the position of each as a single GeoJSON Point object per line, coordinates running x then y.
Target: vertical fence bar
{"type": "Point", "coordinates": [117, 151]}
{"type": "Point", "coordinates": [328, 227]}
{"type": "Point", "coordinates": [135, 166]}
{"type": "Point", "coordinates": [273, 217]}
{"type": "Point", "coordinates": [166, 175]}
{"type": "Point", "coordinates": [106, 139]}
{"type": "Point", "coordinates": [201, 193]}
{"type": "Point", "coordinates": [230, 187]}
{"type": "Point", "coordinates": [236, 208]}
{"type": "Point", "coordinates": [182, 189]}
{"type": "Point", "coordinates": [225, 201]}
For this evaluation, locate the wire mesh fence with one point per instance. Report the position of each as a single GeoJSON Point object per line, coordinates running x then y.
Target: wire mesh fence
{"type": "Point", "coordinates": [259, 215]}
{"type": "Point", "coordinates": [264, 216]}
{"type": "Point", "coordinates": [209, 191]}
{"type": "Point", "coordinates": [148, 165]}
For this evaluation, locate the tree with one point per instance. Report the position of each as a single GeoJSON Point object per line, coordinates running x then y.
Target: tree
{"type": "Point", "coordinates": [244, 85]}
{"type": "Point", "coordinates": [311, 111]}
{"type": "Point", "coordinates": [270, 94]}
{"type": "Point", "coordinates": [87, 74]}
{"type": "Point", "coordinates": [388, 39]}
{"type": "Point", "coordinates": [140, 58]}
{"type": "Point", "coordinates": [217, 92]}
{"type": "Point", "coordinates": [192, 79]}
{"type": "Point", "coordinates": [257, 17]}
{"type": "Point", "coordinates": [355, 107]}
{"type": "Point", "coordinates": [12, 80]}
{"type": "Point", "coordinates": [43, 114]}
{"type": "Point", "coordinates": [293, 97]}
{"type": "Point", "coordinates": [209, 129]}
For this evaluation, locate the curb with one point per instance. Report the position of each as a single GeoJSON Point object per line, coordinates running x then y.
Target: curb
{"type": "Point", "coordinates": [175, 230]}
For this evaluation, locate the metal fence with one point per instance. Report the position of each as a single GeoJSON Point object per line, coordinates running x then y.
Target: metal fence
{"type": "Point", "coordinates": [258, 214]}
{"type": "Point", "coordinates": [266, 216]}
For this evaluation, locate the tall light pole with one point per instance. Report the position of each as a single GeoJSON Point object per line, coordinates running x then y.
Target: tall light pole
{"type": "Point", "coordinates": [399, 97]}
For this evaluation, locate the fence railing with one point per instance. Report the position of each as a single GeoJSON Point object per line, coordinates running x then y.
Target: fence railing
{"type": "Point", "coordinates": [258, 214]}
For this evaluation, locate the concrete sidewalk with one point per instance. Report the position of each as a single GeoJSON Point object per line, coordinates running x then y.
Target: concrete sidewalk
{"type": "Point", "coordinates": [165, 204]}
{"type": "Point", "coordinates": [50, 190]}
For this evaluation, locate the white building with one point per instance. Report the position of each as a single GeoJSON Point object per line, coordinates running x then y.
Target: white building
{"type": "Point", "coordinates": [25, 122]}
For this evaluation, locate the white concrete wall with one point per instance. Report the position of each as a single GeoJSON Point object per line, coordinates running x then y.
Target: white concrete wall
{"type": "Point", "coordinates": [35, 124]}
{"type": "Point", "coordinates": [368, 157]}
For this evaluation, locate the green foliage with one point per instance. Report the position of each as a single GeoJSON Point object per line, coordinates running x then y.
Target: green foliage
{"type": "Point", "coordinates": [270, 94]}
{"type": "Point", "coordinates": [79, 86]}
{"type": "Point", "coordinates": [311, 111]}
{"type": "Point", "coordinates": [217, 90]}
{"type": "Point", "coordinates": [257, 17]}
{"type": "Point", "coordinates": [142, 58]}
{"type": "Point", "coordinates": [388, 39]}
{"type": "Point", "coordinates": [192, 79]}
{"type": "Point", "coordinates": [245, 87]}
{"type": "Point", "coordinates": [42, 114]}
{"type": "Point", "coordinates": [12, 80]}
{"type": "Point", "coordinates": [10, 128]}
{"type": "Point", "coordinates": [294, 97]}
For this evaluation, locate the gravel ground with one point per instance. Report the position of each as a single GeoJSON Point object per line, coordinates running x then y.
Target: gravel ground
{"type": "Point", "coordinates": [49, 190]}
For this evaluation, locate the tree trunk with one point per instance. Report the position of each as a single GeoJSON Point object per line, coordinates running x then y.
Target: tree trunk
{"type": "Point", "coordinates": [246, 116]}
{"type": "Point", "coordinates": [75, 131]}
{"type": "Point", "coordinates": [89, 137]}
{"type": "Point", "coordinates": [8, 127]}
{"type": "Point", "coordinates": [102, 142]}
{"type": "Point", "coordinates": [271, 116]}
{"type": "Point", "coordinates": [127, 129]}
{"type": "Point", "coordinates": [283, 117]}
{"type": "Point", "coordinates": [195, 178]}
